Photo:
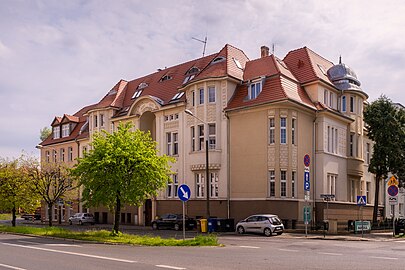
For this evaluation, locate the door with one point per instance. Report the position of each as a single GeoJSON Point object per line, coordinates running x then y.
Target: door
{"type": "Point", "coordinates": [251, 224]}
{"type": "Point", "coordinates": [148, 212]}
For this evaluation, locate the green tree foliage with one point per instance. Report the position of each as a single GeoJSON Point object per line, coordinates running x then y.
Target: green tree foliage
{"type": "Point", "coordinates": [51, 181]}
{"type": "Point", "coordinates": [44, 133]}
{"type": "Point", "coordinates": [15, 188]}
{"type": "Point", "coordinates": [385, 126]}
{"type": "Point", "coordinates": [122, 168]}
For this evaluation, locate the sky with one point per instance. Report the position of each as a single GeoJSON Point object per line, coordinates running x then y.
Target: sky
{"type": "Point", "coordinates": [59, 56]}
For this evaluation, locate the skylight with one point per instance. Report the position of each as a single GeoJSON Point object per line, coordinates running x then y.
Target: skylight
{"type": "Point", "coordinates": [142, 85]}
{"type": "Point", "coordinates": [237, 63]}
{"type": "Point", "coordinates": [188, 78]}
{"type": "Point", "coordinates": [322, 69]}
{"type": "Point", "coordinates": [165, 78]}
{"type": "Point", "coordinates": [137, 94]}
{"type": "Point", "coordinates": [218, 59]}
{"type": "Point", "coordinates": [193, 70]}
{"type": "Point", "coordinates": [178, 96]}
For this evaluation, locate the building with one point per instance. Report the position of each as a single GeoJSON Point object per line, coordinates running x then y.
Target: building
{"type": "Point", "coordinates": [259, 119]}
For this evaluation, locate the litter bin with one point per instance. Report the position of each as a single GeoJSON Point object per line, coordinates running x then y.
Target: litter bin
{"type": "Point", "coordinates": [212, 225]}
{"type": "Point", "coordinates": [203, 225]}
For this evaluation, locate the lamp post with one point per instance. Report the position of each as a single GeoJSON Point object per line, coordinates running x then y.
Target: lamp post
{"type": "Point", "coordinates": [207, 181]}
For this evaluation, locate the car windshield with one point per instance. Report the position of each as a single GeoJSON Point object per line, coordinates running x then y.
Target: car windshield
{"type": "Point", "coordinates": [275, 220]}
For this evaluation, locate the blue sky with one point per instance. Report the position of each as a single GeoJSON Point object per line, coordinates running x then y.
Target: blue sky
{"type": "Point", "coordinates": [52, 52]}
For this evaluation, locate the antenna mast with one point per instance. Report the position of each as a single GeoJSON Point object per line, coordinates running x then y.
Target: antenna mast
{"type": "Point", "coordinates": [273, 46]}
{"type": "Point", "coordinates": [202, 41]}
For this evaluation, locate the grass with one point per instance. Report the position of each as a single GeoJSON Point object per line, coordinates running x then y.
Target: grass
{"type": "Point", "coordinates": [5, 216]}
{"type": "Point", "coordinates": [104, 236]}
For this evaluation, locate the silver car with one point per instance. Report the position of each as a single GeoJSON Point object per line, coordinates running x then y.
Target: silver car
{"type": "Point", "coordinates": [266, 224]}
{"type": "Point", "coordinates": [82, 218]}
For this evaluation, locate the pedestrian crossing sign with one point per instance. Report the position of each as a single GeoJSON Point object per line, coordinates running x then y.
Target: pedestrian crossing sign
{"type": "Point", "coordinates": [361, 200]}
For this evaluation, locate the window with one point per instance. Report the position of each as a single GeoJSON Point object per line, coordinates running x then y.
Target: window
{"type": "Point", "coordinates": [293, 131]}
{"type": "Point", "coordinates": [201, 99]}
{"type": "Point", "coordinates": [211, 136]}
{"type": "Point", "coordinates": [193, 98]}
{"type": "Point", "coordinates": [70, 154]}
{"type": "Point", "coordinates": [177, 96]}
{"type": "Point", "coordinates": [200, 137]}
{"type": "Point", "coordinates": [168, 144]}
{"type": "Point", "coordinates": [47, 156]}
{"type": "Point", "coordinates": [283, 184]}
{"type": "Point", "coordinates": [254, 89]}
{"type": "Point", "coordinates": [95, 121]}
{"type": "Point", "coordinates": [192, 139]}
{"type": "Point", "coordinates": [211, 94]}
{"type": "Point", "coordinates": [175, 143]}
{"type": "Point", "coordinates": [344, 104]}
{"type": "Point", "coordinates": [137, 94]}
{"type": "Point", "coordinates": [271, 131]}
{"type": "Point", "coordinates": [84, 150]}
{"type": "Point", "coordinates": [62, 155]}
{"type": "Point", "coordinates": [112, 127]}
{"type": "Point", "coordinates": [367, 153]}
{"type": "Point", "coordinates": [333, 140]}
{"type": "Point", "coordinates": [368, 188]}
{"type": "Point", "coordinates": [283, 130]}
{"type": "Point", "coordinates": [218, 59]}
{"type": "Point", "coordinates": [331, 184]}
{"type": "Point", "coordinates": [54, 155]}
{"type": "Point", "coordinates": [351, 104]}
{"type": "Point", "coordinates": [237, 63]}
{"type": "Point", "coordinates": [166, 78]}
{"type": "Point", "coordinates": [272, 184]}
{"type": "Point", "coordinates": [293, 174]}
{"type": "Point", "coordinates": [173, 187]}
{"type": "Point", "coordinates": [331, 99]}
{"type": "Point", "coordinates": [101, 120]}
{"type": "Point", "coordinates": [65, 130]}
{"type": "Point", "coordinates": [56, 132]}
{"type": "Point", "coordinates": [214, 185]}
{"type": "Point", "coordinates": [351, 145]}
{"type": "Point", "coordinates": [325, 97]}
{"type": "Point", "coordinates": [199, 185]}
{"type": "Point", "coordinates": [336, 140]}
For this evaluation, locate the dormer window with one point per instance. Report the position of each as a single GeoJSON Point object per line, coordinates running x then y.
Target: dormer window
{"type": "Point", "coordinates": [218, 59]}
{"type": "Point", "coordinates": [65, 130]}
{"type": "Point", "coordinates": [137, 94]}
{"type": "Point", "coordinates": [166, 78]}
{"type": "Point", "coordinates": [178, 96]}
{"type": "Point", "coordinates": [193, 70]}
{"type": "Point", "coordinates": [56, 132]}
{"type": "Point", "coordinates": [254, 89]}
{"type": "Point", "coordinates": [142, 86]}
{"type": "Point", "coordinates": [188, 78]}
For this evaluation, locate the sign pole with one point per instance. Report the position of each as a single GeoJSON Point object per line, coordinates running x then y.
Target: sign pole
{"type": "Point", "coordinates": [306, 221]}
{"type": "Point", "coordinates": [393, 220]}
{"type": "Point", "coordinates": [362, 229]}
{"type": "Point", "coordinates": [184, 222]}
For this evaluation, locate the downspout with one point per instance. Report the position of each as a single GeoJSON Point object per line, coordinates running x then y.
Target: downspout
{"type": "Point", "coordinates": [78, 190]}
{"type": "Point", "coordinates": [228, 167]}
{"type": "Point", "coordinates": [314, 172]}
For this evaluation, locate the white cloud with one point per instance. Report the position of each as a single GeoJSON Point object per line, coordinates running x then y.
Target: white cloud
{"type": "Point", "coordinates": [53, 52]}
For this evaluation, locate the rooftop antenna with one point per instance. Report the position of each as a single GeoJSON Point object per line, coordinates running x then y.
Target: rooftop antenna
{"type": "Point", "coordinates": [340, 59]}
{"type": "Point", "coordinates": [202, 41]}
{"type": "Point", "coordinates": [273, 47]}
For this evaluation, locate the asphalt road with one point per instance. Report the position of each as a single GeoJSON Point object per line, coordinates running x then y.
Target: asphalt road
{"type": "Point", "coordinates": [239, 252]}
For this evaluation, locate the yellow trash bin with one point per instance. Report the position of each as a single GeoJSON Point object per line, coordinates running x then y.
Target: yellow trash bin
{"type": "Point", "coordinates": [204, 225]}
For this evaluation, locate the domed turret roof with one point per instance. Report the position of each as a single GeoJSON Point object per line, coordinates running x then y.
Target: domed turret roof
{"type": "Point", "coordinates": [343, 77]}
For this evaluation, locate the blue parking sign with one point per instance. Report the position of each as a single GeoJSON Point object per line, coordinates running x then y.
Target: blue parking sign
{"type": "Point", "coordinates": [306, 181]}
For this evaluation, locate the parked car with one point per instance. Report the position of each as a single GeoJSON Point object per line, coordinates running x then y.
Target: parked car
{"type": "Point", "coordinates": [400, 226]}
{"type": "Point", "coordinates": [266, 224]}
{"type": "Point", "coordinates": [82, 218]}
{"type": "Point", "coordinates": [173, 221]}
{"type": "Point", "coordinates": [35, 216]}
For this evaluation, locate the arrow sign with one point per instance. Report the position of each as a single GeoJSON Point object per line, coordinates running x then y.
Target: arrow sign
{"type": "Point", "coordinates": [361, 200]}
{"type": "Point", "coordinates": [184, 193]}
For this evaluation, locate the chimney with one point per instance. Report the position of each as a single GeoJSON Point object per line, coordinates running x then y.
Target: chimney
{"type": "Point", "coordinates": [264, 51]}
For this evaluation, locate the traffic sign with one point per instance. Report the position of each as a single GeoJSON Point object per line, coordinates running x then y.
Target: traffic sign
{"type": "Point", "coordinates": [327, 197]}
{"type": "Point", "coordinates": [306, 181]}
{"type": "Point", "coordinates": [307, 214]}
{"type": "Point", "coordinates": [307, 160]}
{"type": "Point", "coordinates": [393, 181]}
{"type": "Point", "coordinates": [392, 190]}
{"type": "Point", "coordinates": [184, 193]}
{"type": "Point", "coordinates": [361, 200]}
{"type": "Point", "coordinates": [393, 200]}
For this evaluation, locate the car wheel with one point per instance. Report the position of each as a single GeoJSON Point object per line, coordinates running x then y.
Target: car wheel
{"type": "Point", "coordinates": [241, 230]}
{"type": "Point", "coordinates": [267, 232]}
{"type": "Point", "coordinates": [177, 226]}
{"type": "Point", "coordinates": [70, 222]}
{"type": "Point", "coordinates": [155, 226]}
{"type": "Point", "coordinates": [80, 222]}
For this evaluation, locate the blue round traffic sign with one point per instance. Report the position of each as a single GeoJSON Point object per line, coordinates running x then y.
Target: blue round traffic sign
{"type": "Point", "coordinates": [184, 193]}
{"type": "Point", "coordinates": [307, 160]}
{"type": "Point", "coordinates": [393, 190]}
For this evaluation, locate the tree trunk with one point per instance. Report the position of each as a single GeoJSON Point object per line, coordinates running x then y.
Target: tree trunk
{"type": "Point", "coordinates": [376, 198]}
{"type": "Point", "coordinates": [50, 214]}
{"type": "Point", "coordinates": [117, 214]}
{"type": "Point", "coordinates": [13, 216]}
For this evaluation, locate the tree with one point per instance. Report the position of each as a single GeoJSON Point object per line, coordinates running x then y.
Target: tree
{"type": "Point", "coordinates": [51, 181]}
{"type": "Point", "coordinates": [15, 189]}
{"type": "Point", "coordinates": [122, 168]}
{"type": "Point", "coordinates": [44, 133]}
{"type": "Point", "coordinates": [383, 123]}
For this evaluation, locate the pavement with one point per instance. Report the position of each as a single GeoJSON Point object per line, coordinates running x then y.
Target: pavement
{"type": "Point", "coordinates": [386, 235]}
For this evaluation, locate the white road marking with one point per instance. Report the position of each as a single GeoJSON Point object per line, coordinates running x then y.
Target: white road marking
{"type": "Point", "coordinates": [383, 258]}
{"type": "Point", "coordinates": [11, 267]}
{"type": "Point", "coordinates": [51, 245]}
{"type": "Point", "coordinates": [248, 247]}
{"type": "Point", "coordinates": [170, 267]}
{"type": "Point", "coordinates": [72, 253]}
{"type": "Point", "coordinates": [329, 253]}
{"type": "Point", "coordinates": [288, 250]}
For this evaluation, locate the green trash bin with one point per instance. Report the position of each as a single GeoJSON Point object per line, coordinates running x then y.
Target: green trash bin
{"type": "Point", "coordinates": [204, 225]}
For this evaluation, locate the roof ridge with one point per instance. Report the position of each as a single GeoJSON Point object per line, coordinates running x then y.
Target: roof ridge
{"type": "Point", "coordinates": [273, 57]}
{"type": "Point", "coordinates": [308, 49]}
{"type": "Point", "coordinates": [230, 45]}
{"type": "Point", "coordinates": [310, 62]}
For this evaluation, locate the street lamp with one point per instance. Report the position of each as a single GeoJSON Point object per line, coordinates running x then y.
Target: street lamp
{"type": "Point", "coordinates": [207, 181]}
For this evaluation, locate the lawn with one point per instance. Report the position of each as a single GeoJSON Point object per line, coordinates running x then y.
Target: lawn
{"type": "Point", "coordinates": [5, 216]}
{"type": "Point", "coordinates": [104, 236]}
